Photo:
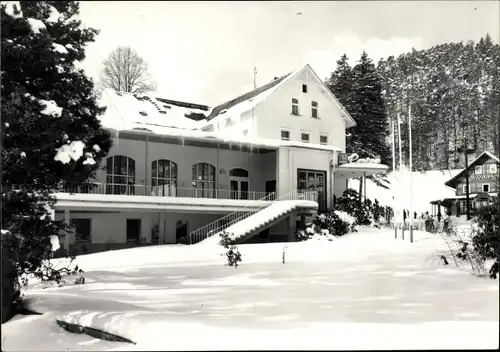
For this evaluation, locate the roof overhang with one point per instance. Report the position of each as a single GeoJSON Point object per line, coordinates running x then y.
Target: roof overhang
{"type": "Point", "coordinates": [354, 170]}
{"type": "Point", "coordinates": [453, 182]}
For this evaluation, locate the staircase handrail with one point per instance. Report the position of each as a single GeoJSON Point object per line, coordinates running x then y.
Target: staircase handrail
{"type": "Point", "coordinates": [212, 228]}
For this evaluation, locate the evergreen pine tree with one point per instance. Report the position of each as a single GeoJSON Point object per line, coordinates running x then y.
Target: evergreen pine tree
{"type": "Point", "coordinates": [340, 82]}
{"type": "Point", "coordinates": [370, 136]}
{"type": "Point", "coordinates": [51, 136]}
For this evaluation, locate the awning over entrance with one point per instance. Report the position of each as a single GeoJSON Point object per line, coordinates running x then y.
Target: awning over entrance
{"type": "Point", "coordinates": [354, 170]}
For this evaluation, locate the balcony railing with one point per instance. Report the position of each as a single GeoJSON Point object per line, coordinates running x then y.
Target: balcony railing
{"type": "Point", "coordinates": [162, 191]}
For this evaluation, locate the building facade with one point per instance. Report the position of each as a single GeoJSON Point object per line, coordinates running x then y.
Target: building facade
{"type": "Point", "coordinates": [170, 179]}
{"type": "Point", "coordinates": [483, 182]}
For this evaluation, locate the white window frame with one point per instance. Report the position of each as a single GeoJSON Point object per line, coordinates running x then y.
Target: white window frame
{"type": "Point", "coordinates": [314, 108]}
{"type": "Point", "coordinates": [492, 168]}
{"type": "Point", "coordinates": [480, 168]}
{"type": "Point", "coordinates": [305, 133]}
{"type": "Point", "coordinates": [463, 188]}
{"type": "Point", "coordinates": [327, 138]}
{"type": "Point", "coordinates": [295, 106]}
{"type": "Point", "coordinates": [287, 130]}
{"type": "Point", "coordinates": [489, 188]}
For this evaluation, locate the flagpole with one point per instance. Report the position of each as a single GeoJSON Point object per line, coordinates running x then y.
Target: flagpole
{"type": "Point", "coordinates": [401, 176]}
{"type": "Point", "coordinates": [411, 173]}
{"type": "Point", "coordinates": [393, 140]}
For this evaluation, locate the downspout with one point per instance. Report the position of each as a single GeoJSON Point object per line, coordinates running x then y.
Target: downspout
{"type": "Point", "coordinates": [332, 182]}
{"type": "Point", "coordinates": [146, 183]}
{"type": "Point", "coordinates": [217, 174]}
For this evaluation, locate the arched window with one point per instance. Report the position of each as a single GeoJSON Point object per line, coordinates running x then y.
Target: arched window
{"type": "Point", "coordinates": [120, 174]}
{"type": "Point", "coordinates": [164, 177]}
{"type": "Point", "coordinates": [238, 173]}
{"type": "Point", "coordinates": [204, 180]}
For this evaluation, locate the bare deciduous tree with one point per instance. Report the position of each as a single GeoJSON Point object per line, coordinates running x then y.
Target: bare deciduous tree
{"type": "Point", "coordinates": [124, 70]}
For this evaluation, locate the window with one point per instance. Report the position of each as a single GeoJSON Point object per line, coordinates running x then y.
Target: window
{"type": "Point", "coordinates": [305, 137]}
{"type": "Point", "coordinates": [463, 206]}
{"type": "Point", "coordinates": [464, 188]}
{"type": "Point", "coordinates": [323, 139]}
{"type": "Point", "coordinates": [478, 170]}
{"type": "Point", "coordinates": [204, 180]}
{"type": "Point", "coordinates": [229, 122]}
{"type": "Point", "coordinates": [120, 175]}
{"type": "Point", "coordinates": [82, 229]}
{"type": "Point", "coordinates": [164, 177]}
{"type": "Point", "coordinates": [492, 168]}
{"type": "Point", "coordinates": [245, 132]}
{"type": "Point", "coordinates": [486, 187]}
{"type": "Point", "coordinates": [295, 107]}
{"type": "Point", "coordinates": [304, 88]}
{"type": "Point", "coordinates": [285, 135]}
{"type": "Point", "coordinates": [314, 109]}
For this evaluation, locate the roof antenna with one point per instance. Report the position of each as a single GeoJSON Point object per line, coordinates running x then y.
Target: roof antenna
{"type": "Point", "coordinates": [254, 77]}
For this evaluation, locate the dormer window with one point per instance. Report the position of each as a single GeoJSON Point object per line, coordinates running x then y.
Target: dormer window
{"type": "Point", "coordinates": [314, 109]}
{"type": "Point", "coordinates": [304, 88]}
{"type": "Point", "coordinates": [295, 107]}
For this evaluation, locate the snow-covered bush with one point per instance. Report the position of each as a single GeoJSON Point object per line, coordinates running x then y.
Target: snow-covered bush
{"type": "Point", "coordinates": [350, 203]}
{"type": "Point", "coordinates": [485, 238]}
{"type": "Point", "coordinates": [327, 226]}
{"type": "Point", "coordinates": [232, 254]}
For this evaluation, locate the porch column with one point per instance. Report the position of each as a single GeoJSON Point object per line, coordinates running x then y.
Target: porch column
{"type": "Point", "coordinates": [68, 238]}
{"type": "Point", "coordinates": [161, 229]}
{"type": "Point", "coordinates": [364, 184]}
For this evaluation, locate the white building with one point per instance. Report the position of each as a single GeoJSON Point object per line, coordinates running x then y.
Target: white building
{"type": "Point", "coordinates": [169, 178]}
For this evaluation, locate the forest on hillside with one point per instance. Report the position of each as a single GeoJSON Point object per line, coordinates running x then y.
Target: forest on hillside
{"type": "Point", "coordinates": [453, 91]}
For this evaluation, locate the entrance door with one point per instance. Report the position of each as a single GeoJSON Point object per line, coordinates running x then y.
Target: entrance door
{"type": "Point", "coordinates": [239, 183]}
{"type": "Point", "coordinates": [270, 187]}
{"type": "Point", "coordinates": [312, 180]}
{"type": "Point", "coordinates": [133, 230]}
{"type": "Point", "coordinates": [181, 232]}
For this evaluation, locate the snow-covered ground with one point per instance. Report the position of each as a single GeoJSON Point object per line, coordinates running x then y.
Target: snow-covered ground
{"type": "Point", "coordinates": [427, 186]}
{"type": "Point", "coordinates": [365, 290]}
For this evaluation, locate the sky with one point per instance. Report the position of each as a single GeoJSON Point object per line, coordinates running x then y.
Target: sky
{"type": "Point", "coordinates": [205, 52]}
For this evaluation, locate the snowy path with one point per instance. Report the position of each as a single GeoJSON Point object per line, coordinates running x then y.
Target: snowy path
{"type": "Point", "coordinates": [366, 283]}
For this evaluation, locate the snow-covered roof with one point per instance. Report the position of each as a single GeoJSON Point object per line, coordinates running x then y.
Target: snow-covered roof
{"type": "Point", "coordinates": [452, 181]}
{"type": "Point", "coordinates": [126, 109]}
{"type": "Point", "coordinates": [222, 137]}
{"type": "Point", "coordinates": [248, 100]}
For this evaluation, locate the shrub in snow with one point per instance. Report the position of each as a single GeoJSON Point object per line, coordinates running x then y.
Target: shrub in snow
{"type": "Point", "coordinates": [485, 239]}
{"type": "Point", "coordinates": [42, 97]}
{"type": "Point", "coordinates": [349, 203]}
{"type": "Point", "coordinates": [232, 254]}
{"type": "Point", "coordinates": [327, 226]}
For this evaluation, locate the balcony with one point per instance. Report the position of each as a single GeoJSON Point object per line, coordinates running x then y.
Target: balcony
{"type": "Point", "coordinates": [166, 191]}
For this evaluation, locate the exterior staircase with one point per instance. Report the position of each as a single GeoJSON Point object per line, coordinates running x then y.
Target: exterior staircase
{"type": "Point", "coordinates": [267, 218]}
{"type": "Point", "coordinates": [245, 224]}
